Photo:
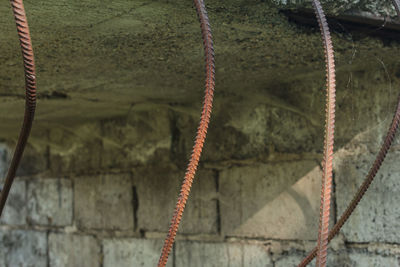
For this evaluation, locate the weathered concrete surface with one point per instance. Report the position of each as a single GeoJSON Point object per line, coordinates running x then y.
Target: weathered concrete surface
{"type": "Point", "coordinates": [15, 211]}
{"type": "Point", "coordinates": [49, 202]}
{"type": "Point", "coordinates": [23, 248]}
{"type": "Point", "coordinates": [157, 190]}
{"type": "Point", "coordinates": [113, 142]}
{"type": "Point", "coordinates": [104, 202]}
{"type": "Point", "coordinates": [383, 7]}
{"type": "Point", "coordinates": [120, 88]}
{"type": "Point", "coordinates": [73, 250]}
{"type": "Point", "coordinates": [264, 200]}
{"type": "Point", "coordinates": [376, 217]}
{"type": "Point", "coordinates": [361, 259]}
{"type": "Point", "coordinates": [220, 255]}
{"type": "Point", "coordinates": [100, 60]}
{"type": "Point", "coordinates": [352, 259]}
{"type": "Point", "coordinates": [132, 252]}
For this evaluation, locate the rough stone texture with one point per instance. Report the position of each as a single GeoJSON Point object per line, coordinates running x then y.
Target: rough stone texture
{"type": "Point", "coordinates": [4, 160]}
{"type": "Point", "coordinates": [133, 252]}
{"type": "Point", "coordinates": [104, 202]}
{"type": "Point", "coordinates": [157, 190]}
{"type": "Point", "coordinates": [113, 143]}
{"type": "Point", "coordinates": [73, 250]}
{"type": "Point", "coordinates": [292, 258]}
{"type": "Point", "coordinates": [120, 87]}
{"type": "Point", "coordinates": [250, 130]}
{"type": "Point", "coordinates": [50, 202]}
{"type": "Point", "coordinates": [197, 254]}
{"type": "Point", "coordinates": [256, 201]}
{"type": "Point", "coordinates": [31, 162]}
{"type": "Point", "coordinates": [363, 259]}
{"type": "Point", "coordinates": [23, 248]}
{"type": "Point", "coordinates": [128, 54]}
{"type": "Point", "coordinates": [384, 7]}
{"type": "Point", "coordinates": [344, 259]}
{"type": "Point", "coordinates": [376, 217]}
{"type": "Point", "coordinates": [15, 211]}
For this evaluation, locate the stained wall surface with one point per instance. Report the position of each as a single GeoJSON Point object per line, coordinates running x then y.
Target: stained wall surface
{"type": "Point", "coordinates": [120, 91]}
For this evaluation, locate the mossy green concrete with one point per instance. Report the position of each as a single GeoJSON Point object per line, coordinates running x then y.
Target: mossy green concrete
{"type": "Point", "coordinates": [103, 61]}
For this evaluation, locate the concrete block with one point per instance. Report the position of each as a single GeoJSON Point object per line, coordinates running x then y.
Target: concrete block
{"type": "Point", "coordinates": [33, 161]}
{"type": "Point", "coordinates": [376, 219]}
{"type": "Point", "coordinates": [243, 130]}
{"type": "Point", "coordinates": [368, 260]}
{"type": "Point", "coordinates": [5, 156]}
{"type": "Point", "coordinates": [133, 252]}
{"type": "Point", "coordinates": [23, 248]}
{"type": "Point", "coordinates": [50, 202]}
{"type": "Point", "coordinates": [117, 142]}
{"type": "Point", "coordinates": [104, 202]}
{"type": "Point", "coordinates": [73, 250]}
{"type": "Point", "coordinates": [197, 254]}
{"type": "Point", "coordinates": [158, 189]}
{"type": "Point", "coordinates": [15, 210]}
{"type": "Point", "coordinates": [277, 200]}
{"type": "Point", "coordinates": [344, 259]}
{"type": "Point", "coordinates": [291, 260]}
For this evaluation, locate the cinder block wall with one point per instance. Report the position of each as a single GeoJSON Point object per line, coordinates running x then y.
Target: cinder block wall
{"type": "Point", "coordinates": [103, 204]}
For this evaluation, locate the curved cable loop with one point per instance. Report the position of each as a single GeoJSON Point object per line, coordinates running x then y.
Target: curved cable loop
{"type": "Point", "coordinates": [326, 184]}
{"type": "Point", "coordinates": [368, 179]}
{"type": "Point", "coordinates": [201, 131]}
{"type": "Point", "coordinates": [30, 97]}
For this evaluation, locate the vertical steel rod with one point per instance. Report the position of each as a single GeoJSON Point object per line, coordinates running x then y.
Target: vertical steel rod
{"type": "Point", "coordinates": [326, 187]}
{"type": "Point", "coordinates": [370, 176]}
{"type": "Point", "coordinates": [201, 131]}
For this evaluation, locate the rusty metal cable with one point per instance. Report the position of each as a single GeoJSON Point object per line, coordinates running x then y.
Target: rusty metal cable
{"type": "Point", "coordinates": [30, 97]}
{"type": "Point", "coordinates": [368, 179]}
{"type": "Point", "coordinates": [326, 184]}
{"type": "Point", "coordinates": [365, 185]}
{"type": "Point", "coordinates": [201, 131]}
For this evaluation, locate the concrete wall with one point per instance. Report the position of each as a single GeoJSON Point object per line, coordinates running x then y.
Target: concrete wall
{"type": "Point", "coordinates": [242, 212]}
{"type": "Point", "coordinates": [120, 86]}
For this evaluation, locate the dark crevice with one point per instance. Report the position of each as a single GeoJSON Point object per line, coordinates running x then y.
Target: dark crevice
{"type": "Point", "coordinates": [53, 95]}
{"type": "Point", "coordinates": [135, 204]}
{"type": "Point", "coordinates": [48, 151]}
{"type": "Point", "coordinates": [359, 24]}
{"type": "Point", "coordinates": [48, 249]}
{"type": "Point", "coordinates": [142, 233]}
{"type": "Point", "coordinates": [177, 146]}
{"type": "Point", "coordinates": [334, 210]}
{"type": "Point", "coordinates": [101, 254]}
{"type": "Point", "coordinates": [173, 255]}
{"type": "Point", "coordinates": [216, 177]}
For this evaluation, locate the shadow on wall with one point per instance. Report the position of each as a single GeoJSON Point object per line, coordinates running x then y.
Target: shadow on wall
{"type": "Point", "coordinates": [277, 201]}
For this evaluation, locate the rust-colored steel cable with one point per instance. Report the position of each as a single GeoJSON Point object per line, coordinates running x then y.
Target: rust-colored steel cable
{"type": "Point", "coordinates": [365, 185]}
{"type": "Point", "coordinates": [368, 179]}
{"type": "Point", "coordinates": [326, 186]}
{"type": "Point", "coordinates": [201, 131]}
{"type": "Point", "coordinates": [30, 98]}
